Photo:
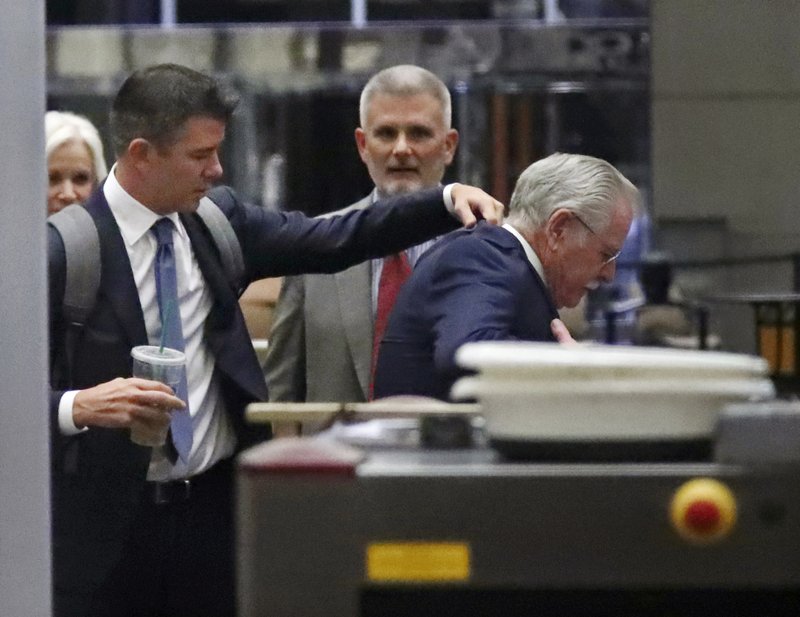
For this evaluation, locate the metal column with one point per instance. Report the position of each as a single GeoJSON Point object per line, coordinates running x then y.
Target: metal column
{"type": "Point", "coordinates": [24, 443]}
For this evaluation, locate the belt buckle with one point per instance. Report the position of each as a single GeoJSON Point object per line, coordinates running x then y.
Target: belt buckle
{"type": "Point", "coordinates": [171, 492]}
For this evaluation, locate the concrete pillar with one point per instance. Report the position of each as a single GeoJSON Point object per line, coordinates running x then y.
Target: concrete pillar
{"type": "Point", "coordinates": [24, 453]}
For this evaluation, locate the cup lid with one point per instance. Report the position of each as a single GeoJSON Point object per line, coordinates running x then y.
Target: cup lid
{"type": "Point", "coordinates": [153, 354]}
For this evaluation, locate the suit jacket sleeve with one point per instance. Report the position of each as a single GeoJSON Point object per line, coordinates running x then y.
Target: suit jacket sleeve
{"type": "Point", "coordinates": [56, 279]}
{"type": "Point", "coordinates": [481, 295]}
{"type": "Point", "coordinates": [289, 243]}
{"type": "Point", "coordinates": [285, 364]}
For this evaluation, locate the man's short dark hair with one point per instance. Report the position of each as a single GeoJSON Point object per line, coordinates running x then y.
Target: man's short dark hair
{"type": "Point", "coordinates": [155, 102]}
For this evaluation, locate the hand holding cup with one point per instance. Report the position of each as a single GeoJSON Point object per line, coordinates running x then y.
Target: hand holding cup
{"type": "Point", "coordinates": [164, 365]}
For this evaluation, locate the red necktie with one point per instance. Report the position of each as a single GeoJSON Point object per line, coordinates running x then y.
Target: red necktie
{"type": "Point", "coordinates": [396, 270]}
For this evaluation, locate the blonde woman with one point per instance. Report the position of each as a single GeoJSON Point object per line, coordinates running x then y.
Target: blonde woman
{"type": "Point", "coordinates": [75, 163]}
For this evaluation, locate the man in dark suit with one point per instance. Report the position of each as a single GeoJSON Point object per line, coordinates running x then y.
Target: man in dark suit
{"type": "Point", "coordinates": [568, 218]}
{"type": "Point", "coordinates": [138, 531]}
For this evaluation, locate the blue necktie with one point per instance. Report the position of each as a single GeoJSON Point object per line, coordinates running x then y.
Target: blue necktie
{"type": "Point", "coordinates": [172, 332]}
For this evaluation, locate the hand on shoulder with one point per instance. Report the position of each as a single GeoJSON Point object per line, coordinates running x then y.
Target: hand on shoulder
{"type": "Point", "coordinates": [471, 203]}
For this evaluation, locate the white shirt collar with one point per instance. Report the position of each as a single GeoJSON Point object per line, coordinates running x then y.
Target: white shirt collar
{"type": "Point", "coordinates": [133, 218]}
{"type": "Point", "coordinates": [529, 252]}
{"type": "Point", "coordinates": [377, 195]}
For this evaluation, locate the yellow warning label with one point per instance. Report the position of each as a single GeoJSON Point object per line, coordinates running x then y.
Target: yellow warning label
{"type": "Point", "coordinates": [418, 561]}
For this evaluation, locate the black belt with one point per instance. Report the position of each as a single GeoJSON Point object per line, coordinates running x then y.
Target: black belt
{"type": "Point", "coordinates": [164, 493]}
{"type": "Point", "coordinates": [180, 491]}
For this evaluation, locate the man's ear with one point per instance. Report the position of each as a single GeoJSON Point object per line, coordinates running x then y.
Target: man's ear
{"type": "Point", "coordinates": [361, 142]}
{"type": "Point", "coordinates": [139, 150]}
{"type": "Point", "coordinates": [556, 227]}
{"type": "Point", "coordinates": [450, 143]}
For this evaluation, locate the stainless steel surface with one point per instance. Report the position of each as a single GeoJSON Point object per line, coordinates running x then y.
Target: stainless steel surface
{"type": "Point", "coordinates": [538, 535]}
{"type": "Point", "coordinates": [759, 434]}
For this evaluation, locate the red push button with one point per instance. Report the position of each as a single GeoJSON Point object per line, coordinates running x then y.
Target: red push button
{"type": "Point", "coordinates": [703, 516]}
{"type": "Point", "coordinates": [703, 510]}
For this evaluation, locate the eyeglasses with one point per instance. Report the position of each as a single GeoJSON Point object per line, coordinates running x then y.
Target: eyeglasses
{"type": "Point", "coordinates": [607, 255]}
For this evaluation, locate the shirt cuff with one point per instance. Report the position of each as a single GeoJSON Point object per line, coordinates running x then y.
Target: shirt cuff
{"type": "Point", "coordinates": [65, 421]}
{"type": "Point", "coordinates": [448, 199]}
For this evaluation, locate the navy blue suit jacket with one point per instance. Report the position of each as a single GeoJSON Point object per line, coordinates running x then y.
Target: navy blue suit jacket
{"type": "Point", "coordinates": [473, 285]}
{"type": "Point", "coordinates": [98, 475]}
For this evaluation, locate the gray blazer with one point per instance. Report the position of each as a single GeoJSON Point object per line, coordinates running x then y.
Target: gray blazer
{"type": "Point", "coordinates": [320, 347]}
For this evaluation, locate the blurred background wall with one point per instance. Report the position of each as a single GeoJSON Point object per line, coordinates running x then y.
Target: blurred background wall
{"type": "Point", "coordinates": [725, 158]}
{"type": "Point", "coordinates": [523, 85]}
{"type": "Point", "coordinates": [695, 101]}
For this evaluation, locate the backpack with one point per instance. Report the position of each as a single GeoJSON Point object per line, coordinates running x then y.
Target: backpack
{"type": "Point", "coordinates": [82, 248]}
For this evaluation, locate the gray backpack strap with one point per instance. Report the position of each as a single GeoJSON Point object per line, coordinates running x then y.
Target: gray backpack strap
{"type": "Point", "coordinates": [230, 250]}
{"type": "Point", "coordinates": [82, 248]}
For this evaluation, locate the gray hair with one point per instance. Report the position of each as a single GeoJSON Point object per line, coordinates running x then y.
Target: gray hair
{"type": "Point", "coordinates": [406, 80]}
{"type": "Point", "coordinates": [588, 186]}
{"type": "Point", "coordinates": [61, 127]}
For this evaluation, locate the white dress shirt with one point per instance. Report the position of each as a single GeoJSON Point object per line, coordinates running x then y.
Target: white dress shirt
{"type": "Point", "coordinates": [533, 258]}
{"type": "Point", "coordinates": [214, 438]}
